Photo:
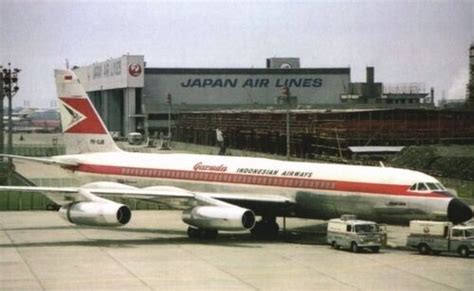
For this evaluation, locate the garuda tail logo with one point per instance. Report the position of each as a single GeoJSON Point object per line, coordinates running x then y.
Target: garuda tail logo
{"type": "Point", "coordinates": [78, 116]}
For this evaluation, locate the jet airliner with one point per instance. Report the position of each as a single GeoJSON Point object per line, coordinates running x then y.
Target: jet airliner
{"type": "Point", "coordinates": [226, 193]}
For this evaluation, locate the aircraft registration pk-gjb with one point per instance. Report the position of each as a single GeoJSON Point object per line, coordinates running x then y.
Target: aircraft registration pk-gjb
{"type": "Point", "coordinates": [227, 193]}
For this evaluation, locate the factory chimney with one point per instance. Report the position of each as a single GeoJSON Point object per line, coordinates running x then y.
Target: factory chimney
{"type": "Point", "coordinates": [470, 86]}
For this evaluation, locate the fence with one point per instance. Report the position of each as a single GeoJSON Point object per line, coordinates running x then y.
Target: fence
{"type": "Point", "coordinates": [17, 201]}
{"type": "Point", "coordinates": [32, 150]}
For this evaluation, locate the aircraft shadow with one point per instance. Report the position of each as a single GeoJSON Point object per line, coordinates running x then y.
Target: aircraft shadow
{"type": "Point", "coordinates": [242, 240]}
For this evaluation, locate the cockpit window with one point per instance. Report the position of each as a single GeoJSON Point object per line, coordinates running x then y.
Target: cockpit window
{"type": "Point", "coordinates": [441, 187]}
{"type": "Point", "coordinates": [432, 186]}
{"type": "Point", "coordinates": [422, 187]}
{"type": "Point", "coordinates": [428, 186]}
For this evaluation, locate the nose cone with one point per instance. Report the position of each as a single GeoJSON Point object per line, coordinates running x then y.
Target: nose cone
{"type": "Point", "coordinates": [458, 211]}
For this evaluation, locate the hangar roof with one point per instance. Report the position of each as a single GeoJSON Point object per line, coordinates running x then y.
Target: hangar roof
{"type": "Point", "coordinates": [247, 71]}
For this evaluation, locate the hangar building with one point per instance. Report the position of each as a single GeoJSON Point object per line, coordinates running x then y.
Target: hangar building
{"type": "Point", "coordinates": [124, 85]}
{"type": "Point", "coordinates": [129, 95]}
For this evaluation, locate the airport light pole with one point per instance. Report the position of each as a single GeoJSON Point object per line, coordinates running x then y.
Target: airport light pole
{"type": "Point", "coordinates": [286, 95]}
{"type": "Point", "coordinates": [10, 88]}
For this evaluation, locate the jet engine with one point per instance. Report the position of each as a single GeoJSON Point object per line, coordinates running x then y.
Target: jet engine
{"type": "Point", "coordinates": [219, 217]}
{"type": "Point", "coordinates": [93, 213]}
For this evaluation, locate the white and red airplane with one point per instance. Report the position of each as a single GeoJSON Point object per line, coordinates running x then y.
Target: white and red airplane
{"type": "Point", "coordinates": [227, 192]}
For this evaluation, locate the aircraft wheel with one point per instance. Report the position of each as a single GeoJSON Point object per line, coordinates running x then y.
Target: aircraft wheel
{"type": "Point", "coordinates": [209, 233]}
{"type": "Point", "coordinates": [464, 252]}
{"type": "Point", "coordinates": [52, 207]}
{"type": "Point", "coordinates": [375, 249]}
{"type": "Point", "coordinates": [198, 233]}
{"type": "Point", "coordinates": [333, 244]}
{"type": "Point", "coordinates": [266, 228]}
{"type": "Point", "coordinates": [354, 247]}
{"type": "Point", "coordinates": [424, 249]}
{"type": "Point", "coordinates": [194, 232]}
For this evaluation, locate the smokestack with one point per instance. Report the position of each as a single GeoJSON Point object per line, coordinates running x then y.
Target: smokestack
{"type": "Point", "coordinates": [470, 86]}
{"type": "Point", "coordinates": [370, 75]}
{"type": "Point", "coordinates": [432, 96]}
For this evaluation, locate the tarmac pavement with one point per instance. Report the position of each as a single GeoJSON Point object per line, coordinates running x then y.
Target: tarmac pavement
{"type": "Point", "coordinates": [40, 251]}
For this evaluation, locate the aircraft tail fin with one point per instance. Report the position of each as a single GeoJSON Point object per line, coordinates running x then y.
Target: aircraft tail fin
{"type": "Point", "coordinates": [84, 131]}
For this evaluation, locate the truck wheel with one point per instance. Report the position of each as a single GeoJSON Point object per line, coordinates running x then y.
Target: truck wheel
{"type": "Point", "coordinates": [464, 252]}
{"type": "Point", "coordinates": [424, 249]}
{"type": "Point", "coordinates": [375, 249]}
{"type": "Point", "coordinates": [333, 244]}
{"type": "Point", "coordinates": [354, 247]}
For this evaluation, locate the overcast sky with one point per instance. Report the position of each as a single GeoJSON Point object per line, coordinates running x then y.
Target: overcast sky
{"type": "Point", "coordinates": [406, 41]}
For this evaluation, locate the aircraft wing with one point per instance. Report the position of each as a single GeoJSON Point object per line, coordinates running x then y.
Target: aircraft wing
{"type": "Point", "coordinates": [46, 161]}
{"type": "Point", "coordinates": [259, 203]}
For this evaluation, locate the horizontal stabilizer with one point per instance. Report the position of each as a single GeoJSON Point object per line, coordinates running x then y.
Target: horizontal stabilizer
{"type": "Point", "coordinates": [46, 161]}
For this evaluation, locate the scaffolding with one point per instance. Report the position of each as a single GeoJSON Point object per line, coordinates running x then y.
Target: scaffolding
{"type": "Point", "coordinates": [315, 133]}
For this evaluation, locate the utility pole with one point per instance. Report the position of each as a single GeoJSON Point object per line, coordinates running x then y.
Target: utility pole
{"type": "Point", "coordinates": [10, 88]}
{"type": "Point", "coordinates": [1, 116]}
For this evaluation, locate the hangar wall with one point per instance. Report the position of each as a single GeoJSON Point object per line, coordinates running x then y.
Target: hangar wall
{"type": "Point", "coordinates": [242, 86]}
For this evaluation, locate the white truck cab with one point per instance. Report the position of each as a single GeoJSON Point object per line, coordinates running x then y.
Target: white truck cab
{"type": "Point", "coordinates": [349, 232]}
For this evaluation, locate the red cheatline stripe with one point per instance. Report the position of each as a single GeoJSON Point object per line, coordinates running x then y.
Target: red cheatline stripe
{"type": "Point", "coordinates": [278, 181]}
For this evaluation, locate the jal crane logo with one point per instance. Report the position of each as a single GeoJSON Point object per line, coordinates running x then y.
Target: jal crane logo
{"type": "Point", "coordinates": [135, 70]}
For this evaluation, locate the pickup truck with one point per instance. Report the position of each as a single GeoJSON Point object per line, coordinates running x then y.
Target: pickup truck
{"type": "Point", "coordinates": [440, 236]}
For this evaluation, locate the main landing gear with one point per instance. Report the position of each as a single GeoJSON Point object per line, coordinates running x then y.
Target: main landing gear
{"type": "Point", "coordinates": [267, 227]}
{"type": "Point", "coordinates": [200, 233]}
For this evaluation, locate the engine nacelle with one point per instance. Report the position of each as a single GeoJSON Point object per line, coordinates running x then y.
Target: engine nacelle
{"type": "Point", "coordinates": [219, 217]}
{"type": "Point", "coordinates": [96, 213]}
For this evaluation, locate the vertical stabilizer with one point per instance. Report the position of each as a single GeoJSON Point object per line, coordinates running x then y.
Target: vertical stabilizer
{"type": "Point", "coordinates": [84, 131]}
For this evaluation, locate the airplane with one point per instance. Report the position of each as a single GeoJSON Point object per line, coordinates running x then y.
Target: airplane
{"type": "Point", "coordinates": [226, 193]}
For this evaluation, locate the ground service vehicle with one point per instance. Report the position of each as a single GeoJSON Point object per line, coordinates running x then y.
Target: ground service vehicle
{"type": "Point", "coordinates": [134, 138]}
{"type": "Point", "coordinates": [348, 232]}
{"type": "Point", "coordinates": [441, 236]}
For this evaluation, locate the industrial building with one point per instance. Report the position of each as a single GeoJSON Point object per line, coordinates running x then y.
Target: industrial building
{"type": "Point", "coordinates": [132, 97]}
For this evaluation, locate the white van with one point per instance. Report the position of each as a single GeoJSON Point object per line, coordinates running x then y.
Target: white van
{"type": "Point", "coordinates": [134, 138]}
{"type": "Point", "coordinates": [349, 232]}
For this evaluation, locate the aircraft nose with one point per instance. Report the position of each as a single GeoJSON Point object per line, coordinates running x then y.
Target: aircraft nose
{"type": "Point", "coordinates": [458, 211]}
